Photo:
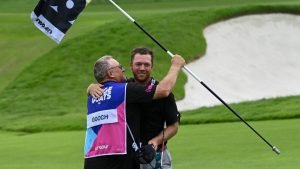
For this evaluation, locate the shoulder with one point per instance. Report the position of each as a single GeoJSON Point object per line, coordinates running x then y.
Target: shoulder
{"type": "Point", "coordinates": [135, 87]}
{"type": "Point", "coordinates": [153, 81]}
{"type": "Point", "coordinates": [130, 80]}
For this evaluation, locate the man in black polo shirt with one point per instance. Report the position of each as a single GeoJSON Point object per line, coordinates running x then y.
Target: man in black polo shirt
{"type": "Point", "coordinates": [156, 113]}
{"type": "Point", "coordinates": [117, 110]}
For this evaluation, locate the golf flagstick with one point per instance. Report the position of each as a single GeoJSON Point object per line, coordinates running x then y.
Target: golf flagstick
{"type": "Point", "coordinates": [163, 145]}
{"type": "Point", "coordinates": [276, 150]}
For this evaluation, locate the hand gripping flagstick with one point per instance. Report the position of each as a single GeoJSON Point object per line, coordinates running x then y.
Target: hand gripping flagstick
{"type": "Point", "coordinates": [276, 150]}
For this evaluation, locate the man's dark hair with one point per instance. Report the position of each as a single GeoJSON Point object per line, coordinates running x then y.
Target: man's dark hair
{"type": "Point", "coordinates": [143, 51]}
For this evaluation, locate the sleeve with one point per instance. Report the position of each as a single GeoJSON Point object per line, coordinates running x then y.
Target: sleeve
{"type": "Point", "coordinates": [136, 93]}
{"type": "Point", "coordinates": [171, 112]}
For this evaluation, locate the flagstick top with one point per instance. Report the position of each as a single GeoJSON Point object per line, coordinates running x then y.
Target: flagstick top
{"type": "Point", "coordinates": [125, 13]}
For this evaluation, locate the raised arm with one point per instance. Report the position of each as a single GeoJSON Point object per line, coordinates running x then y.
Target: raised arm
{"type": "Point", "coordinates": [164, 88]}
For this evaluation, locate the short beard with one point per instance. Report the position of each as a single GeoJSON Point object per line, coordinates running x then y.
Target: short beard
{"type": "Point", "coordinates": [142, 81]}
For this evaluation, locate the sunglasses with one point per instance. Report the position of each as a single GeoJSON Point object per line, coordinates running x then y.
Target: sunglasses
{"type": "Point", "coordinates": [118, 66]}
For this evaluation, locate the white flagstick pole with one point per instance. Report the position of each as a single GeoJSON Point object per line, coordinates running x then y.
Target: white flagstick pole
{"type": "Point", "coordinates": [277, 151]}
{"type": "Point", "coordinates": [163, 145]}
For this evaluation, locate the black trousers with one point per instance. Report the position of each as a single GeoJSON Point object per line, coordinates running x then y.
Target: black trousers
{"type": "Point", "coordinates": [127, 161]}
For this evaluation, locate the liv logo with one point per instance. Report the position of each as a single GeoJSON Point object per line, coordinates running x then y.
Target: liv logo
{"type": "Point", "coordinates": [149, 89]}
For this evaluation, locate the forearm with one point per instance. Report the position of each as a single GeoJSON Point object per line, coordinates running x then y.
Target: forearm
{"type": "Point", "coordinates": [169, 132]}
{"type": "Point", "coordinates": [164, 88]}
{"type": "Point", "coordinates": [95, 90]}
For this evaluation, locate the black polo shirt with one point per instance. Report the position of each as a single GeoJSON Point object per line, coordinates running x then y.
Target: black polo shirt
{"type": "Point", "coordinates": [135, 96]}
{"type": "Point", "coordinates": [155, 113]}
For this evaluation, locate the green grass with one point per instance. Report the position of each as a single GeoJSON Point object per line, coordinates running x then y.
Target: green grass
{"type": "Point", "coordinates": [213, 146]}
{"type": "Point", "coordinates": [235, 146]}
{"type": "Point", "coordinates": [266, 109]}
{"type": "Point", "coordinates": [22, 43]}
{"type": "Point", "coordinates": [43, 85]}
{"type": "Point", "coordinates": [60, 150]}
{"type": "Point", "coordinates": [18, 36]}
{"type": "Point", "coordinates": [50, 93]}
{"type": "Point", "coordinates": [26, 6]}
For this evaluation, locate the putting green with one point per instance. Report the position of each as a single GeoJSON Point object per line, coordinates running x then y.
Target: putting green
{"type": "Point", "coordinates": [213, 146]}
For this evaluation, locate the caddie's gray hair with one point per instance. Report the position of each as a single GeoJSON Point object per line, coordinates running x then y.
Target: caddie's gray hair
{"type": "Point", "coordinates": [100, 68]}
